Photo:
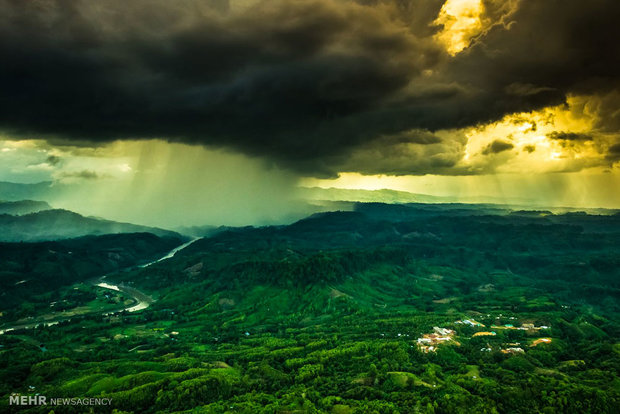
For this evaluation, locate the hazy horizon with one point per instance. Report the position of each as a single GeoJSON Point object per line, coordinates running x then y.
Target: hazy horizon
{"type": "Point", "coordinates": [302, 201]}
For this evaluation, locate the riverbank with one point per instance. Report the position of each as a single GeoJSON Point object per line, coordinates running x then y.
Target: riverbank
{"type": "Point", "coordinates": [141, 300]}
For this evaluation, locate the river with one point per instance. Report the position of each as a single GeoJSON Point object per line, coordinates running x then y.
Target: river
{"type": "Point", "coordinates": [142, 300]}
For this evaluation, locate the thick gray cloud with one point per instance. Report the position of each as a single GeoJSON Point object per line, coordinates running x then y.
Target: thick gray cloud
{"type": "Point", "coordinates": [416, 152]}
{"type": "Point", "coordinates": [497, 146]}
{"type": "Point", "coordinates": [307, 84]}
{"type": "Point", "coordinates": [569, 136]}
{"type": "Point", "coordinates": [53, 160]}
{"type": "Point", "coordinates": [614, 152]}
{"type": "Point", "coordinates": [84, 174]}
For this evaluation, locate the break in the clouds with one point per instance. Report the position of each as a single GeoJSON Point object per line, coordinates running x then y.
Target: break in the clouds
{"type": "Point", "coordinates": [316, 86]}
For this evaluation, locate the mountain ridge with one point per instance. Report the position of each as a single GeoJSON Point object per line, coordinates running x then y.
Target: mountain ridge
{"type": "Point", "coordinates": [23, 207]}
{"type": "Point", "coordinates": [58, 224]}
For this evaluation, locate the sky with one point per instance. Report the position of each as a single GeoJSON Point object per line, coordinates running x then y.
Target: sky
{"type": "Point", "coordinates": [216, 111]}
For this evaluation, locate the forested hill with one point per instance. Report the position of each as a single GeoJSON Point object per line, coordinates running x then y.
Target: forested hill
{"type": "Point", "coordinates": [385, 309]}
{"type": "Point", "coordinates": [62, 224]}
{"type": "Point", "coordinates": [23, 207]}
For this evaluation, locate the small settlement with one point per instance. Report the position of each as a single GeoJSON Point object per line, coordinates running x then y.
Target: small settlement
{"type": "Point", "coordinates": [429, 342]}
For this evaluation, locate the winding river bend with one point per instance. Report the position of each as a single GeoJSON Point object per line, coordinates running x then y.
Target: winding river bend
{"type": "Point", "coordinates": [142, 300]}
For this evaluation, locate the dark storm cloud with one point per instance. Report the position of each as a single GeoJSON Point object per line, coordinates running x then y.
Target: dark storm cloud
{"type": "Point", "coordinates": [569, 136]}
{"type": "Point", "coordinates": [607, 109]}
{"type": "Point", "coordinates": [613, 153]}
{"type": "Point", "coordinates": [53, 160]}
{"type": "Point", "coordinates": [421, 137]}
{"type": "Point", "coordinates": [416, 152]}
{"type": "Point", "coordinates": [305, 83]}
{"type": "Point", "coordinates": [497, 146]}
{"type": "Point", "coordinates": [543, 51]}
{"type": "Point", "coordinates": [84, 174]}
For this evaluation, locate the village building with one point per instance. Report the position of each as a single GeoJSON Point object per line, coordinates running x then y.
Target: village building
{"type": "Point", "coordinates": [513, 350]}
{"type": "Point", "coordinates": [429, 342]}
{"type": "Point", "coordinates": [470, 322]}
{"type": "Point", "coordinates": [541, 341]}
{"type": "Point", "coordinates": [484, 333]}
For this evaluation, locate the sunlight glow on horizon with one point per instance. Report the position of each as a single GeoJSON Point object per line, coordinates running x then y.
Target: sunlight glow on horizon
{"type": "Point", "coordinates": [576, 190]}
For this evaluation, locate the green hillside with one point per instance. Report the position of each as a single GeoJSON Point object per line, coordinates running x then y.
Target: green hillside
{"type": "Point", "coordinates": [341, 313]}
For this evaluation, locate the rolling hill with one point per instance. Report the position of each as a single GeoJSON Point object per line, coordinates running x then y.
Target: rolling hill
{"type": "Point", "coordinates": [23, 207]}
{"type": "Point", "coordinates": [63, 224]}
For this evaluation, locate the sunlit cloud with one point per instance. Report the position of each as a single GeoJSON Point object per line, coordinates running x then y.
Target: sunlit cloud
{"type": "Point", "coordinates": [461, 21]}
{"type": "Point", "coordinates": [556, 156]}
{"type": "Point", "coordinates": [554, 139]}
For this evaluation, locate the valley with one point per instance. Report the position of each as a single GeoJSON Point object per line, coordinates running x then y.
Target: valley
{"type": "Point", "coordinates": [133, 297]}
{"type": "Point", "coordinates": [387, 308]}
